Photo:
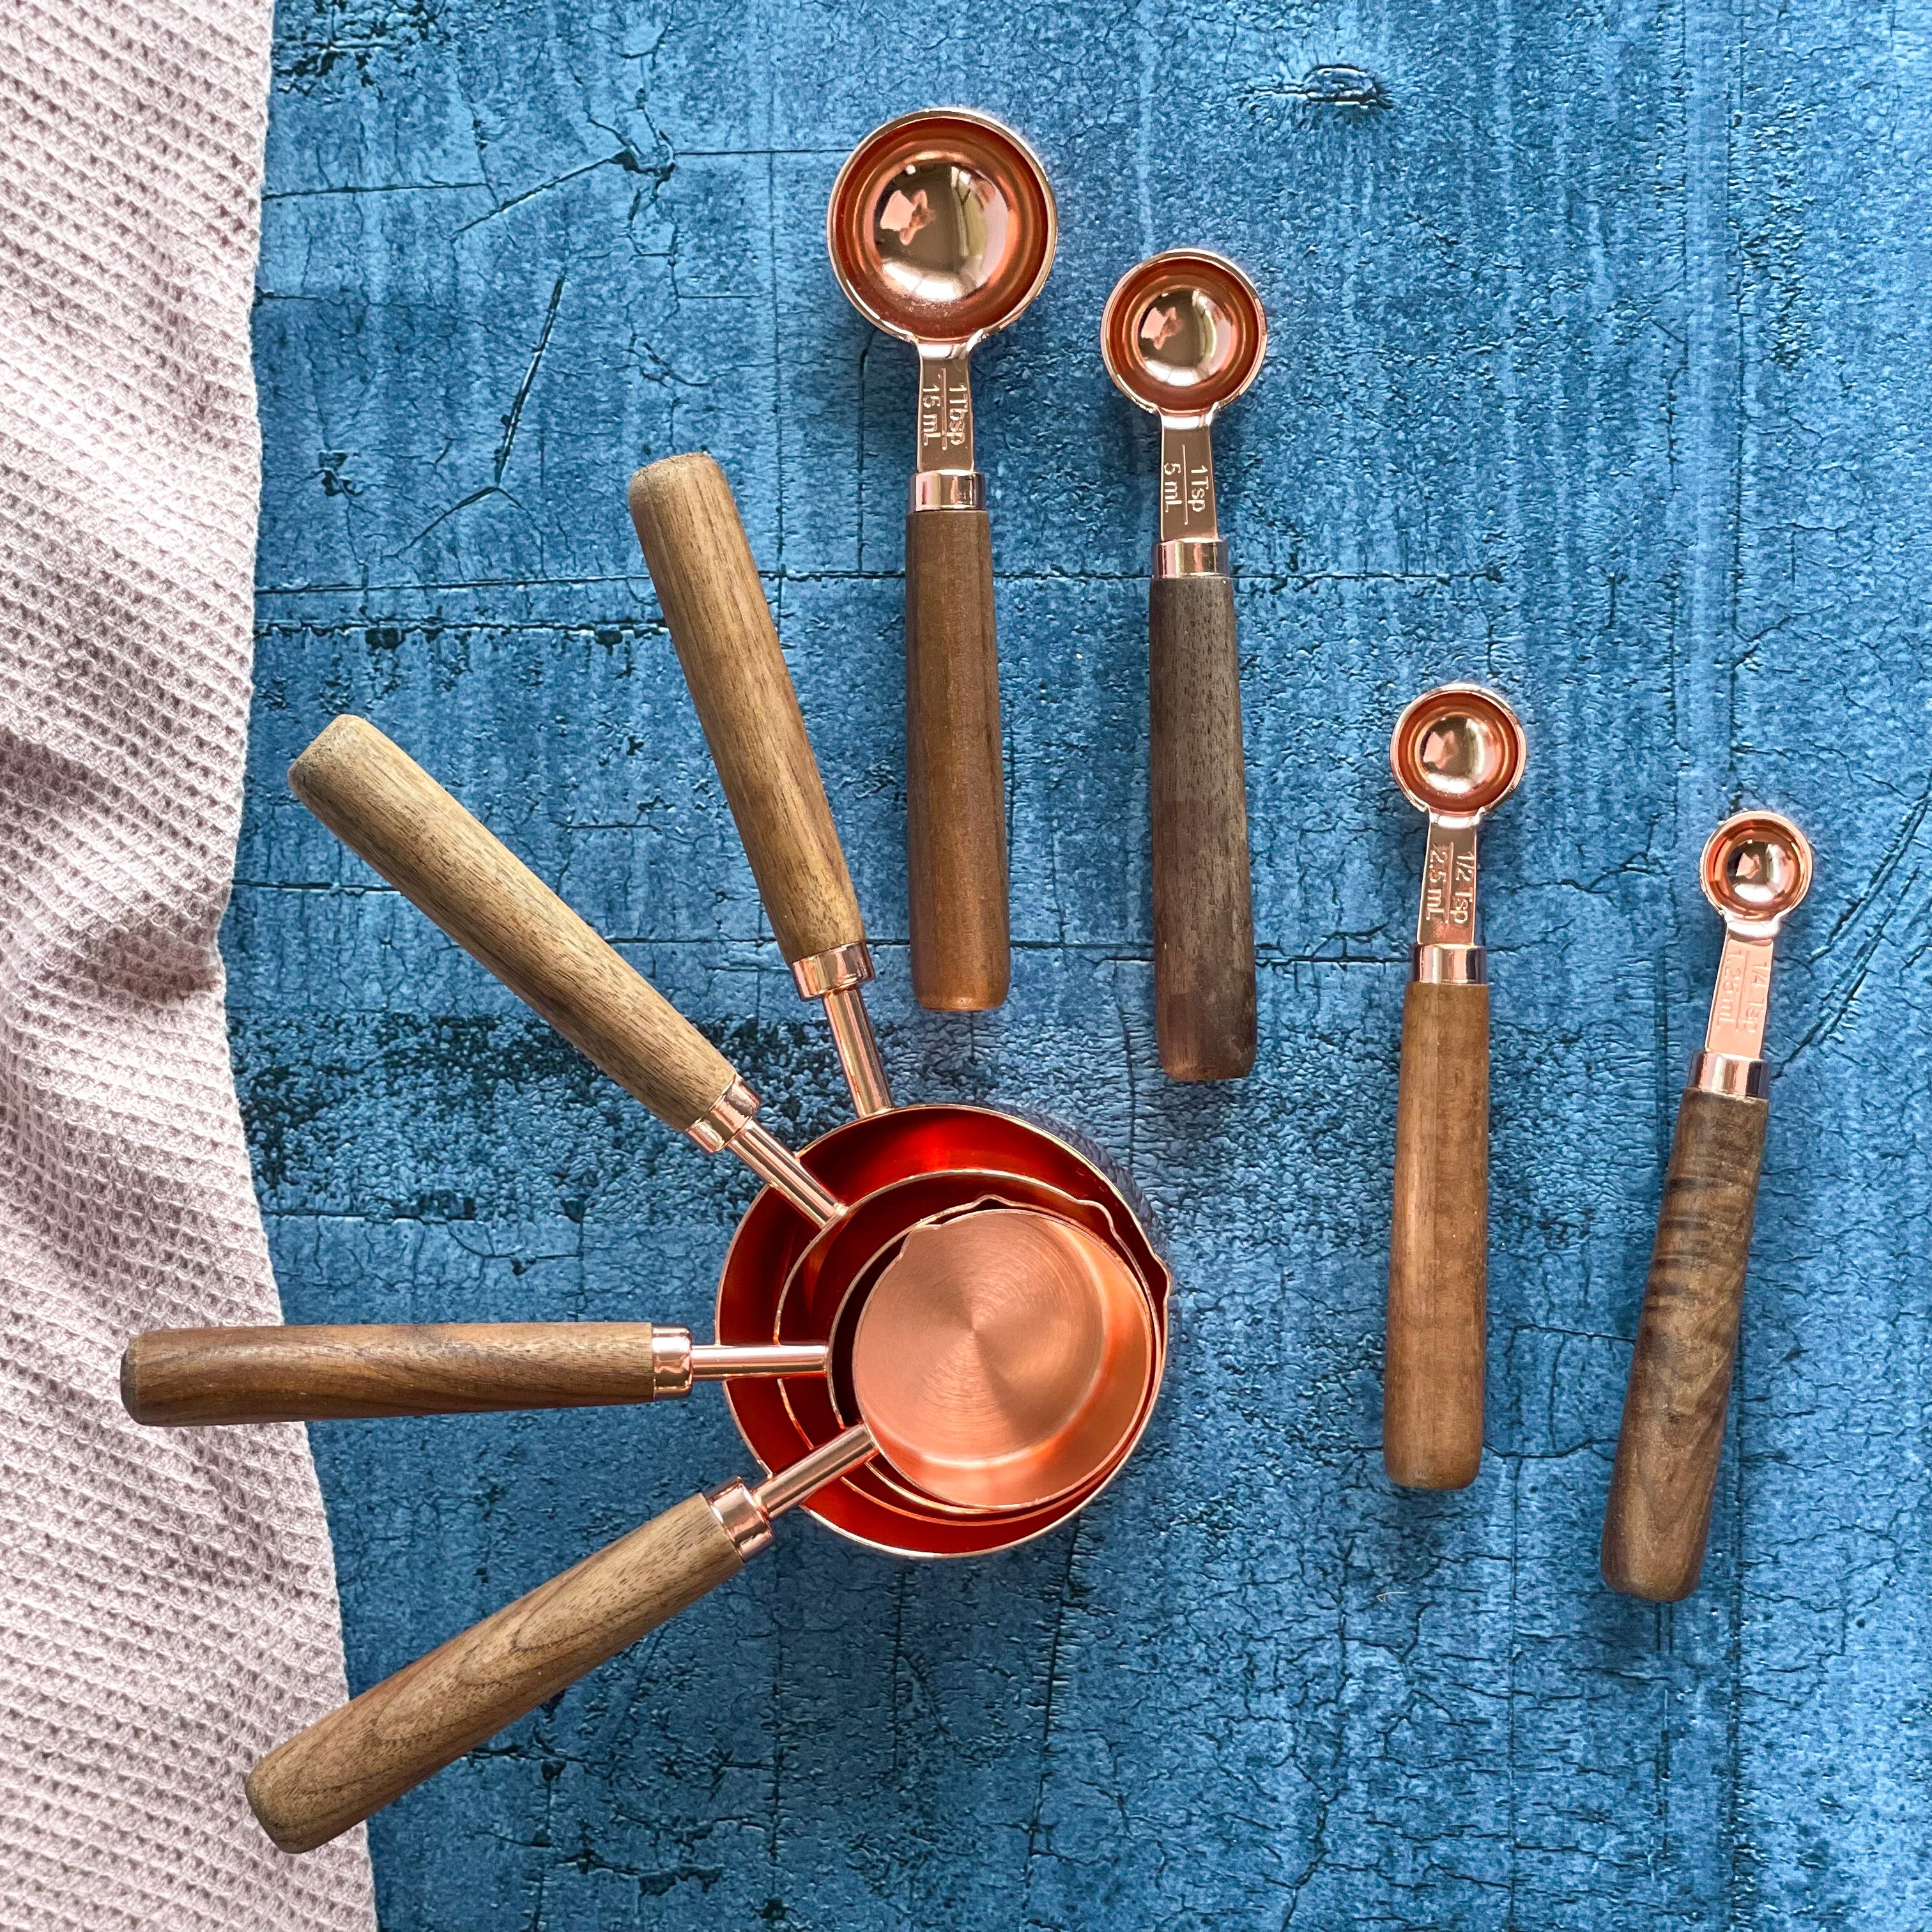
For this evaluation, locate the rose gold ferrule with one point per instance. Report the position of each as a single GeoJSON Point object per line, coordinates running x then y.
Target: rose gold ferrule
{"type": "Point", "coordinates": [738, 1514]}
{"type": "Point", "coordinates": [730, 1124]}
{"type": "Point", "coordinates": [1448, 965]}
{"type": "Point", "coordinates": [786, 1488]}
{"type": "Point", "coordinates": [946, 489]}
{"type": "Point", "coordinates": [728, 1117]}
{"type": "Point", "coordinates": [830, 972]}
{"type": "Point", "coordinates": [721, 1361]}
{"type": "Point", "coordinates": [1725, 1073]}
{"type": "Point", "coordinates": [671, 1362]}
{"type": "Point", "coordinates": [1191, 556]}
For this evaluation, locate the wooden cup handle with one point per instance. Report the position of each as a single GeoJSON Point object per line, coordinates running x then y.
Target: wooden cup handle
{"type": "Point", "coordinates": [955, 770]}
{"type": "Point", "coordinates": [406, 1728]}
{"type": "Point", "coordinates": [374, 797]}
{"type": "Point", "coordinates": [701, 561]}
{"type": "Point", "coordinates": [177, 1377]}
{"type": "Point", "coordinates": [1438, 1246]}
{"type": "Point", "coordinates": [1658, 1518]}
{"type": "Point", "coordinates": [1204, 927]}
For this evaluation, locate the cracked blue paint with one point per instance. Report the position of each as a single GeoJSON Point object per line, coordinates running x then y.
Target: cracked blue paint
{"type": "Point", "coordinates": [1599, 369]}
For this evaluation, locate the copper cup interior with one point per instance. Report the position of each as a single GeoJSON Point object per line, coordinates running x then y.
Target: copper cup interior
{"type": "Point", "coordinates": [1756, 867]}
{"type": "Point", "coordinates": [782, 1280]}
{"type": "Point", "coordinates": [941, 227]}
{"type": "Point", "coordinates": [1001, 1356]}
{"type": "Point", "coordinates": [1458, 751]}
{"type": "Point", "coordinates": [828, 1289]}
{"type": "Point", "coordinates": [1183, 333]}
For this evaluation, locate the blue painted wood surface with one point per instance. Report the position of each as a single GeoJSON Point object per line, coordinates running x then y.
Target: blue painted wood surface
{"type": "Point", "coordinates": [1599, 370]}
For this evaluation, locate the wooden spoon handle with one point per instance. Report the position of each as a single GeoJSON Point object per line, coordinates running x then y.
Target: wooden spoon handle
{"type": "Point", "coordinates": [379, 801]}
{"type": "Point", "coordinates": [175, 1378]}
{"type": "Point", "coordinates": [1204, 927]}
{"type": "Point", "coordinates": [955, 772]}
{"type": "Point", "coordinates": [701, 561]}
{"type": "Point", "coordinates": [1438, 1292]}
{"type": "Point", "coordinates": [378, 1746]}
{"type": "Point", "coordinates": [1659, 1514]}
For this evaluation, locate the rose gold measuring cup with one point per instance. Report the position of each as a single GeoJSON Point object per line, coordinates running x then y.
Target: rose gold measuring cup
{"type": "Point", "coordinates": [413, 833]}
{"type": "Point", "coordinates": [1757, 868]}
{"type": "Point", "coordinates": [941, 230]}
{"type": "Point", "coordinates": [995, 1370]}
{"type": "Point", "coordinates": [1458, 751]}
{"type": "Point", "coordinates": [1182, 334]}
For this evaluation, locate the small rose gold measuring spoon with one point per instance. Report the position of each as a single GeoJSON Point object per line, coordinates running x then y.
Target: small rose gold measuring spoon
{"type": "Point", "coordinates": [1182, 334]}
{"type": "Point", "coordinates": [1458, 751]}
{"type": "Point", "coordinates": [998, 1370]}
{"type": "Point", "coordinates": [941, 230]}
{"type": "Point", "coordinates": [1756, 868]}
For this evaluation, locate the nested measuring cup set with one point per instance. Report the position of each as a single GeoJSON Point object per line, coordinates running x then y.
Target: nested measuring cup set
{"type": "Point", "coordinates": [941, 1329]}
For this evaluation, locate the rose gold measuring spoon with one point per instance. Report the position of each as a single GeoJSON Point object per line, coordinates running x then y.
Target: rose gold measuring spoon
{"type": "Point", "coordinates": [1458, 751]}
{"type": "Point", "coordinates": [1756, 868]}
{"type": "Point", "coordinates": [1182, 334]}
{"type": "Point", "coordinates": [941, 230]}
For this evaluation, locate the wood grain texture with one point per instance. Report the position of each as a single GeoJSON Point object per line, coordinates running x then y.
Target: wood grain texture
{"type": "Point", "coordinates": [1438, 1242]}
{"type": "Point", "coordinates": [955, 769]}
{"type": "Point", "coordinates": [1658, 1517]}
{"type": "Point", "coordinates": [1204, 926]}
{"type": "Point", "coordinates": [177, 1378]}
{"type": "Point", "coordinates": [707, 582]}
{"type": "Point", "coordinates": [406, 1728]}
{"type": "Point", "coordinates": [374, 797]}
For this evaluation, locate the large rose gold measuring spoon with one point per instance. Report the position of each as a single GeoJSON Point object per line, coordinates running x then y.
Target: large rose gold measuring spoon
{"type": "Point", "coordinates": [941, 230]}
{"type": "Point", "coordinates": [1182, 334]}
{"type": "Point", "coordinates": [1756, 868]}
{"type": "Point", "coordinates": [996, 1369]}
{"type": "Point", "coordinates": [1458, 751]}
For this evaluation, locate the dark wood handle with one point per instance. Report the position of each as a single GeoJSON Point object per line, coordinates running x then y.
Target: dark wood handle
{"type": "Point", "coordinates": [956, 771]}
{"type": "Point", "coordinates": [406, 1728]}
{"type": "Point", "coordinates": [1204, 926]}
{"type": "Point", "coordinates": [1438, 1243]}
{"type": "Point", "coordinates": [177, 1377]}
{"type": "Point", "coordinates": [701, 561]}
{"type": "Point", "coordinates": [375, 798]}
{"type": "Point", "coordinates": [1659, 1513]}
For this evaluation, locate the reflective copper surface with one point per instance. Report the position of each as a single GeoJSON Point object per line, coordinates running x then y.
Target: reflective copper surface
{"type": "Point", "coordinates": [932, 1159]}
{"type": "Point", "coordinates": [941, 227]}
{"type": "Point", "coordinates": [1458, 751]}
{"type": "Point", "coordinates": [1000, 1360]}
{"type": "Point", "coordinates": [1183, 333]}
{"type": "Point", "coordinates": [1756, 867]}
